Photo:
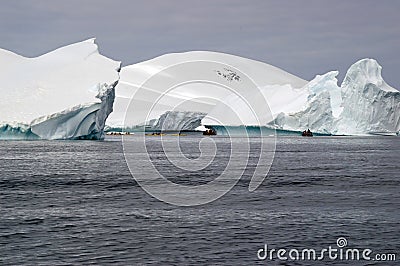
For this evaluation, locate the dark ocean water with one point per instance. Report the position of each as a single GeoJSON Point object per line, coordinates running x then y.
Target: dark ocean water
{"type": "Point", "coordinates": [75, 202]}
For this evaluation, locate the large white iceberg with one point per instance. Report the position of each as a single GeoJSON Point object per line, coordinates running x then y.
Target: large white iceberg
{"type": "Point", "coordinates": [65, 94]}
{"type": "Point", "coordinates": [133, 88]}
{"type": "Point", "coordinates": [362, 104]}
{"type": "Point", "coordinates": [71, 92]}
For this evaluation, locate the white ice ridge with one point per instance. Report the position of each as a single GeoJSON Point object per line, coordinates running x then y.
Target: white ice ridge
{"type": "Point", "coordinates": [193, 97]}
{"type": "Point", "coordinates": [69, 93]}
{"type": "Point", "coordinates": [362, 104]}
{"type": "Point", "coordinates": [65, 94]}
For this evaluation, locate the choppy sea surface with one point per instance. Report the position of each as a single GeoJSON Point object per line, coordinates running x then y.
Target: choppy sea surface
{"type": "Point", "coordinates": [75, 202]}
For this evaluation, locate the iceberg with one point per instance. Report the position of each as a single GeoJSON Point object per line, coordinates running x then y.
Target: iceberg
{"type": "Point", "coordinates": [320, 106]}
{"type": "Point", "coordinates": [168, 121]}
{"type": "Point", "coordinates": [132, 88]}
{"type": "Point", "coordinates": [65, 94]}
{"type": "Point", "coordinates": [179, 121]}
{"type": "Point", "coordinates": [74, 91]}
{"type": "Point", "coordinates": [363, 104]}
{"type": "Point", "coordinates": [370, 105]}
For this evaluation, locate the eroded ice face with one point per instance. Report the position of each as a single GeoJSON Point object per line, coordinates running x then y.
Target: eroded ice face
{"type": "Point", "coordinates": [71, 88]}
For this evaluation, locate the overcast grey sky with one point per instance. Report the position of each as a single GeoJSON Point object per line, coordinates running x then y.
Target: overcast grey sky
{"type": "Point", "coordinates": [303, 37]}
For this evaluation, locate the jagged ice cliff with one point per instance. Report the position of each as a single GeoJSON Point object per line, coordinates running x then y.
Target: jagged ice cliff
{"type": "Point", "coordinates": [65, 94]}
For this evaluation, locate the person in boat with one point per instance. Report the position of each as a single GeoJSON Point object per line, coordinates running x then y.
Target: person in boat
{"type": "Point", "coordinates": [210, 132]}
{"type": "Point", "coordinates": [307, 133]}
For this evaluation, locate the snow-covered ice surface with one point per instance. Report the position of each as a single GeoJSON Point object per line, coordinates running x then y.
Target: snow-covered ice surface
{"type": "Point", "coordinates": [65, 94]}
{"type": "Point", "coordinates": [69, 93]}
{"type": "Point", "coordinates": [193, 97]}
{"type": "Point", "coordinates": [362, 104]}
